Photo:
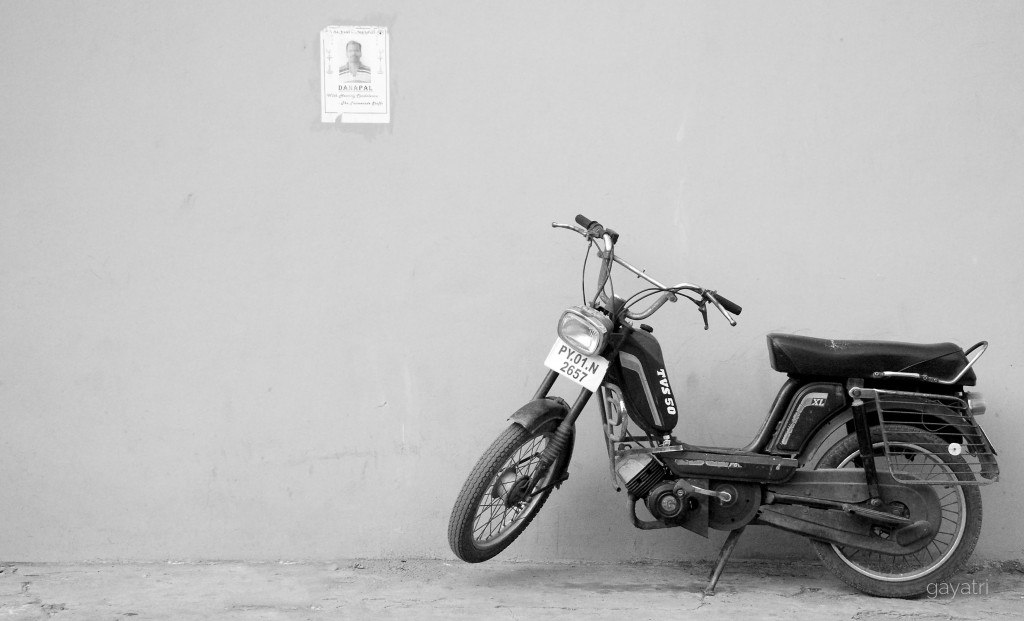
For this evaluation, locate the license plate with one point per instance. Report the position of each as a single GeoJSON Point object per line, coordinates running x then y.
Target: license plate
{"type": "Point", "coordinates": [587, 371]}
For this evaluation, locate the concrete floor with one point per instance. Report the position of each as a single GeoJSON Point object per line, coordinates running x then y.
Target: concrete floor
{"type": "Point", "coordinates": [437, 589]}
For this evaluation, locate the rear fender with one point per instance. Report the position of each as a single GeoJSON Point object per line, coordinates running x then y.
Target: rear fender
{"type": "Point", "coordinates": [834, 430]}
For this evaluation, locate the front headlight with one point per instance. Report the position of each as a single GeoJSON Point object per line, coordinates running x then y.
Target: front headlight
{"type": "Point", "coordinates": [585, 329]}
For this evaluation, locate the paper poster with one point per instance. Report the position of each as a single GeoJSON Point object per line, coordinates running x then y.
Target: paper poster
{"type": "Point", "coordinates": [354, 71]}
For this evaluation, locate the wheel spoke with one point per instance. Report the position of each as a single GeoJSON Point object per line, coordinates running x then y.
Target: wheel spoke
{"type": "Point", "coordinates": [906, 460]}
{"type": "Point", "coordinates": [494, 514]}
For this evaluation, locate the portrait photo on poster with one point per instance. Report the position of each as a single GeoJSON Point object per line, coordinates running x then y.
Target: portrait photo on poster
{"type": "Point", "coordinates": [354, 74]}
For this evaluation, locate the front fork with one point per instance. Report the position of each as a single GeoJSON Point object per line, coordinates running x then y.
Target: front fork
{"type": "Point", "coordinates": [564, 430]}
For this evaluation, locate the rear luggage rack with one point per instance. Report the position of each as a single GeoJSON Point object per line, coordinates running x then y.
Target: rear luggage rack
{"type": "Point", "coordinates": [948, 417]}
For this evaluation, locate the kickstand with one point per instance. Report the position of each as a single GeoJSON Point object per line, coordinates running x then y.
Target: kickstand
{"type": "Point", "coordinates": [723, 558]}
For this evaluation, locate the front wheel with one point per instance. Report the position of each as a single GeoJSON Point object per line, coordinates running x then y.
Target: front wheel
{"type": "Point", "coordinates": [914, 454]}
{"type": "Point", "coordinates": [494, 506]}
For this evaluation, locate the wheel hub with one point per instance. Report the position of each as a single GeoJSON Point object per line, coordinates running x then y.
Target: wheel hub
{"type": "Point", "coordinates": [900, 509]}
{"type": "Point", "coordinates": [510, 488]}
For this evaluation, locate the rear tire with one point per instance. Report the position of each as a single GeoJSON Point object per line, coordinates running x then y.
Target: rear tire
{"type": "Point", "coordinates": [490, 511]}
{"type": "Point", "coordinates": [884, 575]}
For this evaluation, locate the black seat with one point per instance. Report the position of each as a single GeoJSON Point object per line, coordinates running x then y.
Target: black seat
{"type": "Point", "coordinates": [805, 355]}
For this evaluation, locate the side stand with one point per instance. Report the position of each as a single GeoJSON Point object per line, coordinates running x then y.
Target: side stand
{"type": "Point", "coordinates": [723, 558]}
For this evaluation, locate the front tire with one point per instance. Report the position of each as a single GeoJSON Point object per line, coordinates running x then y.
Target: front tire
{"type": "Point", "coordinates": [491, 510]}
{"type": "Point", "coordinates": [923, 455]}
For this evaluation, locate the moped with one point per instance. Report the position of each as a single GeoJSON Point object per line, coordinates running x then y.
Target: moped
{"type": "Point", "coordinates": [870, 450]}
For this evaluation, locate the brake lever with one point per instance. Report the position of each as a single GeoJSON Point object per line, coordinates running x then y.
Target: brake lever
{"type": "Point", "coordinates": [572, 227]}
{"type": "Point", "coordinates": [703, 307]}
{"type": "Point", "coordinates": [707, 295]}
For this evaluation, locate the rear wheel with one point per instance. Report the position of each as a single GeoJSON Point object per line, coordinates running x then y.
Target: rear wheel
{"type": "Point", "coordinates": [494, 506]}
{"type": "Point", "coordinates": [920, 455]}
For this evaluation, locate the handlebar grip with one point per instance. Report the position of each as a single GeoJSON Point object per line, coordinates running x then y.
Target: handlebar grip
{"type": "Point", "coordinates": [595, 229]}
{"type": "Point", "coordinates": [728, 304]}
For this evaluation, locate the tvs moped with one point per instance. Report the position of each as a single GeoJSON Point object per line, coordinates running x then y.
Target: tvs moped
{"type": "Point", "coordinates": [871, 450]}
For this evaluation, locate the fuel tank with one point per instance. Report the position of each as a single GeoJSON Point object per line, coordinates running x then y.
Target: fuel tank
{"type": "Point", "coordinates": [641, 373]}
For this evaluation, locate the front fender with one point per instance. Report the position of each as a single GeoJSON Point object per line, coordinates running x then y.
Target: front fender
{"type": "Point", "coordinates": [539, 412]}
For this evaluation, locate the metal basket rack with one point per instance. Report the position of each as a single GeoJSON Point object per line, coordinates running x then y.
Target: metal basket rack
{"type": "Point", "coordinates": [964, 456]}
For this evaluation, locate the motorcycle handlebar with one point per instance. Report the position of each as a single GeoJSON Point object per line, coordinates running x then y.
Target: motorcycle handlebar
{"type": "Point", "coordinates": [594, 228]}
{"type": "Point", "coordinates": [591, 228]}
{"type": "Point", "coordinates": [727, 304]}
{"type": "Point", "coordinates": [584, 221]}
{"type": "Point", "coordinates": [710, 295]}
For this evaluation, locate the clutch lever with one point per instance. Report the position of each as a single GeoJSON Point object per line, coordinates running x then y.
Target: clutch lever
{"type": "Point", "coordinates": [710, 295]}
{"type": "Point", "coordinates": [703, 307]}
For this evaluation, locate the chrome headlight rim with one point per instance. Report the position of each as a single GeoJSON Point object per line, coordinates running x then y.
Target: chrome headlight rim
{"type": "Point", "coordinates": [596, 323]}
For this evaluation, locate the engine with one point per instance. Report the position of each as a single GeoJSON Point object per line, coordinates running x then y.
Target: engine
{"type": "Point", "coordinates": [694, 504]}
{"type": "Point", "coordinates": [670, 502]}
{"type": "Point", "coordinates": [639, 473]}
{"type": "Point", "coordinates": [667, 498]}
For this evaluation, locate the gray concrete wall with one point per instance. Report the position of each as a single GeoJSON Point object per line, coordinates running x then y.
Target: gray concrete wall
{"type": "Point", "coordinates": [229, 331]}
